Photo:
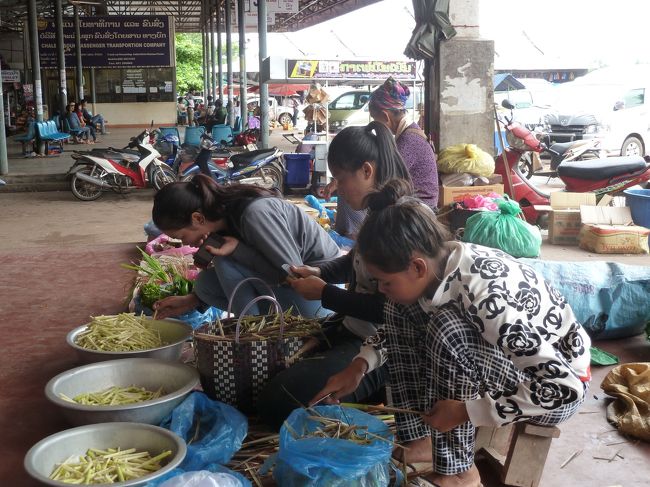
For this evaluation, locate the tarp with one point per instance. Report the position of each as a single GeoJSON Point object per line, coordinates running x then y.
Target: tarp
{"type": "Point", "coordinates": [276, 89]}
{"type": "Point", "coordinates": [431, 24]}
{"type": "Point", "coordinates": [506, 82]}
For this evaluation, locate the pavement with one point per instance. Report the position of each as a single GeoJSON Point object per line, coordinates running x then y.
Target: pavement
{"type": "Point", "coordinates": [47, 173]}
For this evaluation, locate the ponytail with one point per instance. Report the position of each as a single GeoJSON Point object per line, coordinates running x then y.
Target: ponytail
{"type": "Point", "coordinates": [373, 143]}
{"type": "Point", "coordinates": [174, 204]}
{"type": "Point", "coordinates": [397, 226]}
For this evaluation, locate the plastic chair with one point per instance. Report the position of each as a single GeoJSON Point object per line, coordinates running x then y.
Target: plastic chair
{"type": "Point", "coordinates": [193, 136]}
{"type": "Point", "coordinates": [170, 131]}
{"type": "Point", "coordinates": [27, 137]}
{"type": "Point", "coordinates": [238, 127]}
{"type": "Point", "coordinates": [222, 133]}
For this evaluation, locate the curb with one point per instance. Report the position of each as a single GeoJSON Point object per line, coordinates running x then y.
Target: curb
{"type": "Point", "coordinates": [34, 183]}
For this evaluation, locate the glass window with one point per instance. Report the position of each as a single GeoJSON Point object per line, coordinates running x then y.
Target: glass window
{"type": "Point", "coordinates": [108, 85]}
{"type": "Point", "coordinates": [634, 98]}
{"type": "Point", "coordinates": [344, 102]}
{"type": "Point", "coordinates": [133, 85]}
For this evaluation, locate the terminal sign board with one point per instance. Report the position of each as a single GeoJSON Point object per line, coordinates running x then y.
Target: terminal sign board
{"type": "Point", "coordinates": [331, 70]}
{"type": "Point", "coordinates": [111, 41]}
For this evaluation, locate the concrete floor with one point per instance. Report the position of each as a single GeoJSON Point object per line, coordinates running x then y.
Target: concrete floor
{"type": "Point", "coordinates": [60, 261]}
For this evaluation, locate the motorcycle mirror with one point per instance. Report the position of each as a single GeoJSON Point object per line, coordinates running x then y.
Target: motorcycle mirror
{"type": "Point", "coordinates": [506, 104]}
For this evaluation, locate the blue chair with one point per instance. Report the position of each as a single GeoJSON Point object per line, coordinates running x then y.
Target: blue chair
{"type": "Point", "coordinates": [47, 133]}
{"type": "Point", "coordinates": [238, 127]}
{"type": "Point", "coordinates": [222, 134]}
{"type": "Point", "coordinates": [170, 131]}
{"type": "Point", "coordinates": [193, 136]}
{"type": "Point", "coordinates": [27, 137]}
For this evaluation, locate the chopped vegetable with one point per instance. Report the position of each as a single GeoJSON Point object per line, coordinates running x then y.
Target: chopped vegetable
{"type": "Point", "coordinates": [119, 333]}
{"type": "Point", "coordinates": [115, 396]}
{"type": "Point", "coordinates": [107, 466]}
{"type": "Point", "coordinates": [265, 327]}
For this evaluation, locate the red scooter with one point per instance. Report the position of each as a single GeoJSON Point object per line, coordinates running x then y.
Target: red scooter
{"type": "Point", "coordinates": [600, 176]}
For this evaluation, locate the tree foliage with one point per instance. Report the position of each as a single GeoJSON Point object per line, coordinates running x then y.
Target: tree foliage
{"type": "Point", "coordinates": [189, 61]}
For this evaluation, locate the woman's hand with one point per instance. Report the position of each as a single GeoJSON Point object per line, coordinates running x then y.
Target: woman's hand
{"type": "Point", "coordinates": [175, 305]}
{"type": "Point", "coordinates": [343, 383]}
{"type": "Point", "coordinates": [225, 249]}
{"type": "Point", "coordinates": [305, 270]}
{"type": "Point", "coordinates": [309, 287]}
{"type": "Point", "coordinates": [329, 189]}
{"type": "Point", "coordinates": [446, 414]}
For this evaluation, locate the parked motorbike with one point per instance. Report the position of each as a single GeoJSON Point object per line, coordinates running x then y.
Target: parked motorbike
{"type": "Point", "coordinates": [600, 176]}
{"type": "Point", "coordinates": [264, 167]}
{"type": "Point", "coordinates": [120, 170]}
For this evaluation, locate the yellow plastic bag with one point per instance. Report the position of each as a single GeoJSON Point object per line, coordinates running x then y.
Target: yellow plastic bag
{"type": "Point", "coordinates": [630, 412]}
{"type": "Point", "coordinates": [469, 158]}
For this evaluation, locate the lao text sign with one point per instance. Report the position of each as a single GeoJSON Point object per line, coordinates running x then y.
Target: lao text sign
{"type": "Point", "coordinates": [10, 76]}
{"type": "Point", "coordinates": [111, 41]}
{"type": "Point", "coordinates": [310, 69]}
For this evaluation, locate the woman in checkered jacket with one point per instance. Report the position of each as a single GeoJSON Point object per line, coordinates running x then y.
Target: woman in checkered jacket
{"type": "Point", "coordinates": [472, 337]}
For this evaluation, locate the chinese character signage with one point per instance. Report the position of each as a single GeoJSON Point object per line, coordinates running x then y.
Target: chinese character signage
{"type": "Point", "coordinates": [310, 69]}
{"type": "Point", "coordinates": [111, 41]}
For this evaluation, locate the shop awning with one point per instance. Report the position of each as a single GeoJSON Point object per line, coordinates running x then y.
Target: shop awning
{"type": "Point", "coordinates": [277, 89]}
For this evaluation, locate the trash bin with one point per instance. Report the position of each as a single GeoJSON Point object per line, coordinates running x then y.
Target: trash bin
{"type": "Point", "coordinates": [639, 202]}
{"type": "Point", "coordinates": [298, 169]}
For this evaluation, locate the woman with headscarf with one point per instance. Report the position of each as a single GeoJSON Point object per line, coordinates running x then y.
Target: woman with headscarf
{"type": "Point", "coordinates": [388, 106]}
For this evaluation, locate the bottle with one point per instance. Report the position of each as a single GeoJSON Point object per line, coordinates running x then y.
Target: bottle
{"type": "Point", "coordinates": [324, 220]}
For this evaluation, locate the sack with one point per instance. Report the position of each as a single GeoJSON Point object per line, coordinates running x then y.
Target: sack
{"type": "Point", "coordinates": [203, 478]}
{"type": "Point", "coordinates": [466, 158]}
{"type": "Point", "coordinates": [212, 430]}
{"type": "Point", "coordinates": [315, 462]}
{"type": "Point", "coordinates": [604, 296]}
{"type": "Point", "coordinates": [630, 412]}
{"type": "Point", "coordinates": [504, 230]}
{"type": "Point", "coordinates": [235, 370]}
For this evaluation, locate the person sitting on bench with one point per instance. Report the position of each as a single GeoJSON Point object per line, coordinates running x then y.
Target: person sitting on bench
{"type": "Point", "coordinates": [80, 134]}
{"type": "Point", "coordinates": [93, 119]}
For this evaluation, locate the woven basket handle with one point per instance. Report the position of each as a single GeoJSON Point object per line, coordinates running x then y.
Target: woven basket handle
{"type": "Point", "coordinates": [240, 284]}
{"type": "Point", "coordinates": [278, 309]}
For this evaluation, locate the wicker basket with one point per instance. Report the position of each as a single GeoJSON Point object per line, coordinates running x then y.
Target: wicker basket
{"type": "Point", "coordinates": [234, 370]}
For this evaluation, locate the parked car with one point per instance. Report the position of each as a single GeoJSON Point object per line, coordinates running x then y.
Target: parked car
{"type": "Point", "coordinates": [608, 104]}
{"type": "Point", "coordinates": [351, 108]}
{"type": "Point", "coordinates": [532, 103]}
{"type": "Point", "coordinates": [277, 112]}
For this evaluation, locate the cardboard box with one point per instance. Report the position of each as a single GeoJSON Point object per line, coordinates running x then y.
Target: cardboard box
{"type": "Point", "coordinates": [609, 230]}
{"type": "Point", "coordinates": [564, 221]}
{"type": "Point", "coordinates": [449, 194]}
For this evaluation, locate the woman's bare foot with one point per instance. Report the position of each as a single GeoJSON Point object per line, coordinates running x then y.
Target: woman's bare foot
{"type": "Point", "coordinates": [417, 451]}
{"type": "Point", "coordinates": [469, 478]}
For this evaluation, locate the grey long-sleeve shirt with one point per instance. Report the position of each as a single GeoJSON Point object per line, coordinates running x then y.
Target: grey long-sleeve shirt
{"type": "Point", "coordinates": [275, 232]}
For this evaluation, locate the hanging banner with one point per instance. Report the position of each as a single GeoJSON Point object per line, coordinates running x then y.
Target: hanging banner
{"type": "Point", "coordinates": [111, 41]}
{"type": "Point", "coordinates": [324, 70]}
{"type": "Point", "coordinates": [10, 76]}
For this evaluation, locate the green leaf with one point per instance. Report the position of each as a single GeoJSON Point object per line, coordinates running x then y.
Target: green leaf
{"type": "Point", "coordinates": [601, 357]}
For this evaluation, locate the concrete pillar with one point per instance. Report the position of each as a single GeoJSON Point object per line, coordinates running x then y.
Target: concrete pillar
{"type": "Point", "coordinates": [4, 161]}
{"type": "Point", "coordinates": [213, 62]}
{"type": "Point", "coordinates": [264, 88]}
{"type": "Point", "coordinates": [208, 45]}
{"type": "Point", "coordinates": [464, 69]}
{"type": "Point", "coordinates": [231, 105]}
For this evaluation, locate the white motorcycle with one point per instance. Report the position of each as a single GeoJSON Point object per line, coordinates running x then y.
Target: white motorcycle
{"type": "Point", "coordinates": [101, 170]}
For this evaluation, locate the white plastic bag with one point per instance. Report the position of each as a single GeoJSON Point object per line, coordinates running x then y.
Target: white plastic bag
{"type": "Point", "coordinates": [203, 478]}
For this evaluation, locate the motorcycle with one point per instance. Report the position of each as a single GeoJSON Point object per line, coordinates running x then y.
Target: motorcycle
{"type": "Point", "coordinates": [98, 170]}
{"type": "Point", "coordinates": [600, 176]}
{"type": "Point", "coordinates": [264, 167]}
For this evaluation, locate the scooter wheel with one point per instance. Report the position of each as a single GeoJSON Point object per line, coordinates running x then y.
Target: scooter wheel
{"type": "Point", "coordinates": [85, 190]}
{"type": "Point", "coordinates": [162, 176]}
{"type": "Point", "coordinates": [525, 166]}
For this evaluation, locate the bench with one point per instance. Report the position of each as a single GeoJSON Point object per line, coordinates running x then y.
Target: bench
{"type": "Point", "coordinates": [517, 451]}
{"type": "Point", "coordinates": [48, 133]}
{"type": "Point", "coordinates": [27, 137]}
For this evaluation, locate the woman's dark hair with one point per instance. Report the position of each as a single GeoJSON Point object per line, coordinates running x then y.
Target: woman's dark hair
{"type": "Point", "coordinates": [174, 204]}
{"type": "Point", "coordinates": [374, 143]}
{"type": "Point", "coordinates": [398, 225]}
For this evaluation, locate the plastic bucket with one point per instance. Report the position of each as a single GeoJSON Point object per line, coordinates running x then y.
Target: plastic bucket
{"type": "Point", "coordinates": [298, 169]}
{"type": "Point", "coordinates": [639, 202]}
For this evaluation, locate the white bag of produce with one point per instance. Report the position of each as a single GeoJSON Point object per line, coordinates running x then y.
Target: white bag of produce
{"type": "Point", "coordinates": [203, 478]}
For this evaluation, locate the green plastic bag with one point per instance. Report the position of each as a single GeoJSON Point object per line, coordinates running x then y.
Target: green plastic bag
{"type": "Point", "coordinates": [504, 230]}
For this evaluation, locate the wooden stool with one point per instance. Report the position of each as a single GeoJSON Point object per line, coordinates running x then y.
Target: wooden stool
{"type": "Point", "coordinates": [518, 451]}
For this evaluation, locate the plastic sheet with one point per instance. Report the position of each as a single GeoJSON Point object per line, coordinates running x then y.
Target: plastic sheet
{"type": "Point", "coordinates": [203, 478]}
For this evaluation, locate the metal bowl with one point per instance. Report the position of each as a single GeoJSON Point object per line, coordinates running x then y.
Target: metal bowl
{"type": "Point", "coordinates": [172, 332]}
{"type": "Point", "coordinates": [176, 379]}
{"type": "Point", "coordinates": [43, 457]}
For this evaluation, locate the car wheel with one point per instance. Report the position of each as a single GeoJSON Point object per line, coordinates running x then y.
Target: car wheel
{"type": "Point", "coordinates": [632, 147]}
{"type": "Point", "coordinates": [284, 119]}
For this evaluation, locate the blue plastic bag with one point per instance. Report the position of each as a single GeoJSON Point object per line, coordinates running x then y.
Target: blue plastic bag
{"type": "Point", "coordinates": [317, 204]}
{"type": "Point", "coordinates": [194, 318]}
{"type": "Point", "coordinates": [221, 430]}
{"type": "Point", "coordinates": [609, 299]}
{"type": "Point", "coordinates": [316, 462]}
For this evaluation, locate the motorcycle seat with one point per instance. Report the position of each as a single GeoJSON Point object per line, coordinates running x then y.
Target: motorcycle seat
{"type": "Point", "coordinates": [561, 147]}
{"type": "Point", "coordinates": [595, 169]}
{"type": "Point", "coordinates": [246, 158]}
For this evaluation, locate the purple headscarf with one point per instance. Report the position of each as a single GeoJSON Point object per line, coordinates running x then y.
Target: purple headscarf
{"type": "Point", "coordinates": [392, 95]}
